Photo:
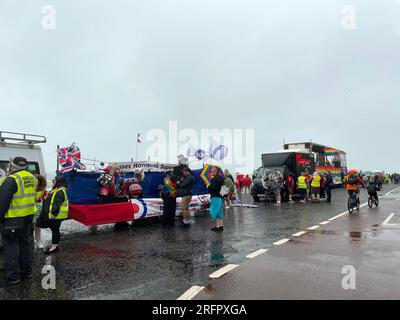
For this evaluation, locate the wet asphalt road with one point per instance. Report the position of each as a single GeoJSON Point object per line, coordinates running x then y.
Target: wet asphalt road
{"type": "Point", "coordinates": [314, 265]}
{"type": "Point", "coordinates": [149, 262]}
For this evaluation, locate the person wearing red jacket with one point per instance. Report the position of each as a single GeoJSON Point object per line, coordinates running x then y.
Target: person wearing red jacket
{"type": "Point", "coordinates": [247, 183]}
{"type": "Point", "coordinates": [239, 186]}
{"type": "Point", "coordinates": [290, 186]}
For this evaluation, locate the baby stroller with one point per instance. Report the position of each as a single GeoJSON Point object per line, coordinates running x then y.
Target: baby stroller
{"type": "Point", "coordinates": [269, 192]}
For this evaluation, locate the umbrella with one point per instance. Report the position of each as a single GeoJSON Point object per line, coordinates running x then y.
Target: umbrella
{"type": "Point", "coordinates": [206, 176]}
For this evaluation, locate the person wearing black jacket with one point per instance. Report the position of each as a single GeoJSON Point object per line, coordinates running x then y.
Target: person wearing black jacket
{"type": "Point", "coordinates": [328, 187]}
{"type": "Point", "coordinates": [51, 216]}
{"type": "Point", "coordinates": [17, 207]}
{"type": "Point", "coordinates": [214, 189]}
{"type": "Point", "coordinates": [185, 189]}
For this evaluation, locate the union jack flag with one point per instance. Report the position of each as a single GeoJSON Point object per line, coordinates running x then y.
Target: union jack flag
{"type": "Point", "coordinates": [70, 159]}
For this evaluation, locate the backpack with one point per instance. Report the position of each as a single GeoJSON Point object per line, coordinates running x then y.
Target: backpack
{"type": "Point", "coordinates": [352, 179]}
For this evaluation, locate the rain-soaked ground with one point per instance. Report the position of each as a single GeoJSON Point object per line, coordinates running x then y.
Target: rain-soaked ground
{"type": "Point", "coordinates": [151, 262]}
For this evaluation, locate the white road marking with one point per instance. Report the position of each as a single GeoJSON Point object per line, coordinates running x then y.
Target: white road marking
{"type": "Point", "coordinates": [191, 293]}
{"type": "Point", "coordinates": [299, 234]}
{"type": "Point", "coordinates": [222, 271]}
{"type": "Point", "coordinates": [324, 222]}
{"type": "Point", "coordinates": [313, 227]}
{"type": "Point", "coordinates": [361, 206]}
{"type": "Point", "coordinates": [338, 216]}
{"type": "Point", "coordinates": [278, 243]}
{"type": "Point", "coordinates": [256, 253]}
{"type": "Point", "coordinates": [388, 219]}
{"type": "Point", "coordinates": [390, 192]}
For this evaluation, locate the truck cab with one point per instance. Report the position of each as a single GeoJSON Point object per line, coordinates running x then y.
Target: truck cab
{"type": "Point", "coordinates": [286, 161]}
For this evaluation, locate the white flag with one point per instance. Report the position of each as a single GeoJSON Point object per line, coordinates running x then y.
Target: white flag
{"type": "Point", "coordinates": [217, 151]}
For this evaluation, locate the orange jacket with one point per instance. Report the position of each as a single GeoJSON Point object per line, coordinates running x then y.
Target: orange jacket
{"type": "Point", "coordinates": [353, 186]}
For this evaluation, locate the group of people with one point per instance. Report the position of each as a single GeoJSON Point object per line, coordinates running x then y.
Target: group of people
{"type": "Point", "coordinates": [25, 208]}
{"type": "Point", "coordinates": [234, 188]}
{"type": "Point", "coordinates": [180, 183]}
{"type": "Point", "coordinates": [312, 187]}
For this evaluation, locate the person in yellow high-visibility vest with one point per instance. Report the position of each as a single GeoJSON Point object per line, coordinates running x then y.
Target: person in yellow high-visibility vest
{"type": "Point", "coordinates": [316, 187]}
{"type": "Point", "coordinates": [302, 187]}
{"type": "Point", "coordinates": [17, 208]}
{"type": "Point", "coordinates": [54, 212]}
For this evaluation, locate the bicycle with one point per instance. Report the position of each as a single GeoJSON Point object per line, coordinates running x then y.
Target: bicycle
{"type": "Point", "coordinates": [373, 200]}
{"type": "Point", "coordinates": [353, 202]}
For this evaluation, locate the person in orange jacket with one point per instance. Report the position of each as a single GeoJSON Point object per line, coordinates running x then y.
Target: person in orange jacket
{"type": "Point", "coordinates": [351, 181]}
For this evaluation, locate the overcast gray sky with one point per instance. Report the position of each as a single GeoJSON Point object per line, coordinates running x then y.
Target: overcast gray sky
{"type": "Point", "coordinates": [286, 69]}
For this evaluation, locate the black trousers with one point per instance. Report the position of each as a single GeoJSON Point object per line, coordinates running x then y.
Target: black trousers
{"type": "Point", "coordinates": [18, 250]}
{"type": "Point", "coordinates": [168, 218]}
{"type": "Point", "coordinates": [328, 194]}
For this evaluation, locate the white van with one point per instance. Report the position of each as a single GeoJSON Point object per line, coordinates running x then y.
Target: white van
{"type": "Point", "coordinates": [13, 144]}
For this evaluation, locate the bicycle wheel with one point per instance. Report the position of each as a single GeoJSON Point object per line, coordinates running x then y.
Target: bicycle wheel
{"type": "Point", "coordinates": [350, 205]}
{"type": "Point", "coordinates": [376, 202]}
{"type": "Point", "coordinates": [370, 202]}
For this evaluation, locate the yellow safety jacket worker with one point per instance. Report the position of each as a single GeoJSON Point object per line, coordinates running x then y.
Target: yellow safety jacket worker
{"type": "Point", "coordinates": [23, 202]}
{"type": "Point", "coordinates": [63, 213]}
{"type": "Point", "coordinates": [2, 180]}
{"type": "Point", "coordinates": [316, 182]}
{"type": "Point", "coordinates": [301, 182]}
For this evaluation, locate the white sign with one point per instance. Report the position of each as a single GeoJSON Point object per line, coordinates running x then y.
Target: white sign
{"type": "Point", "coordinates": [153, 207]}
{"type": "Point", "coordinates": [144, 165]}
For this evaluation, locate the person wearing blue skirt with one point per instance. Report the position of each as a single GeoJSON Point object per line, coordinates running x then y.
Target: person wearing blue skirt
{"type": "Point", "coordinates": [216, 211]}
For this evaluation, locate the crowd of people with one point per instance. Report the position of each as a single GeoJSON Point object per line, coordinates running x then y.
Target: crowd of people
{"type": "Point", "coordinates": [312, 187]}
{"type": "Point", "coordinates": [223, 189]}
{"type": "Point", "coordinates": [26, 207]}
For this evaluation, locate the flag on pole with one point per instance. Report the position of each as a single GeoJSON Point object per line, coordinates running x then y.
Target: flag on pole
{"type": "Point", "coordinates": [70, 159]}
{"type": "Point", "coordinates": [197, 153]}
{"type": "Point", "coordinates": [217, 151]}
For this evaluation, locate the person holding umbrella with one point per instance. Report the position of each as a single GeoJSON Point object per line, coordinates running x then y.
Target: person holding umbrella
{"type": "Point", "coordinates": [214, 189]}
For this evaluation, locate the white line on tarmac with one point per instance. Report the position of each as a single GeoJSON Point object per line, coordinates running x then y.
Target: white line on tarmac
{"type": "Point", "coordinates": [222, 271]}
{"type": "Point", "coordinates": [390, 192]}
{"type": "Point", "coordinates": [313, 227]}
{"type": "Point", "coordinates": [361, 206]}
{"type": "Point", "coordinates": [299, 234]}
{"type": "Point", "coordinates": [338, 216]}
{"type": "Point", "coordinates": [191, 293]}
{"type": "Point", "coordinates": [324, 222]}
{"type": "Point", "coordinates": [388, 219]}
{"type": "Point", "coordinates": [256, 253]}
{"type": "Point", "coordinates": [278, 243]}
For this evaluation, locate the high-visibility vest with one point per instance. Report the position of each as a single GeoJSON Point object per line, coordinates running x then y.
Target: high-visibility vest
{"type": "Point", "coordinates": [316, 182]}
{"type": "Point", "coordinates": [23, 202]}
{"type": "Point", "coordinates": [2, 180]}
{"type": "Point", "coordinates": [301, 182]}
{"type": "Point", "coordinates": [63, 213]}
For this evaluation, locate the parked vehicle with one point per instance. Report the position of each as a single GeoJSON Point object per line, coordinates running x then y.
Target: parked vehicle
{"type": "Point", "coordinates": [13, 144]}
{"type": "Point", "coordinates": [296, 158]}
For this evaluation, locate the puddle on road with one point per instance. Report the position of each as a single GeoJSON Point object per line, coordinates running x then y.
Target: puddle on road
{"type": "Point", "coordinates": [355, 235]}
{"type": "Point", "coordinates": [208, 289]}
